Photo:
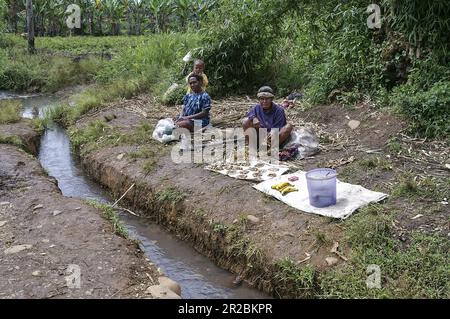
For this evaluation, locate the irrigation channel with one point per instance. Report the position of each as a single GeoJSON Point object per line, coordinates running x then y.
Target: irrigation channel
{"type": "Point", "coordinates": [196, 274]}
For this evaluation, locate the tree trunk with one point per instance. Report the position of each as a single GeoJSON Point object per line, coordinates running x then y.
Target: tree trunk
{"type": "Point", "coordinates": [129, 17]}
{"type": "Point", "coordinates": [100, 30]}
{"type": "Point", "coordinates": [138, 24]}
{"type": "Point", "coordinates": [15, 17]}
{"type": "Point", "coordinates": [30, 27]}
{"type": "Point", "coordinates": [100, 27]}
{"type": "Point", "coordinates": [115, 28]}
{"type": "Point", "coordinates": [92, 23]}
{"type": "Point", "coordinates": [42, 33]}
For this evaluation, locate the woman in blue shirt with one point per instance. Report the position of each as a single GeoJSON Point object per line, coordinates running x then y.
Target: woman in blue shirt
{"type": "Point", "coordinates": [196, 105]}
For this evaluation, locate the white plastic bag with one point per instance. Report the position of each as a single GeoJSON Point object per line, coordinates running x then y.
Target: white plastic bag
{"type": "Point", "coordinates": [188, 57]}
{"type": "Point", "coordinates": [164, 131]}
{"type": "Point", "coordinates": [307, 140]}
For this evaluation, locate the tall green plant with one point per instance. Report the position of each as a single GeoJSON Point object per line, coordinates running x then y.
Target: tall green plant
{"type": "Point", "coordinates": [239, 41]}
{"type": "Point", "coordinates": [425, 23]}
{"type": "Point", "coordinates": [3, 13]}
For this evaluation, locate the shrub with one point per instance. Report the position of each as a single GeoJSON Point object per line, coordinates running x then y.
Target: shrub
{"type": "Point", "coordinates": [428, 110]}
{"type": "Point", "coordinates": [174, 97]}
{"type": "Point", "coordinates": [239, 42]}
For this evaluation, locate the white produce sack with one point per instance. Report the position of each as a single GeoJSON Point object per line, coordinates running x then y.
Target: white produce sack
{"type": "Point", "coordinates": [164, 131]}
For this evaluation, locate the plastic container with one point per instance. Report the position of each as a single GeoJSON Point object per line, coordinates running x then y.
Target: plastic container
{"type": "Point", "coordinates": [321, 187]}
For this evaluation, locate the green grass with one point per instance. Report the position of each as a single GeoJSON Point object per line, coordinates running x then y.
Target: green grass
{"type": "Point", "coordinates": [39, 125]}
{"type": "Point", "coordinates": [395, 146]}
{"type": "Point", "coordinates": [407, 187]}
{"type": "Point", "coordinates": [418, 269]}
{"type": "Point", "coordinates": [241, 248]}
{"type": "Point", "coordinates": [141, 135]}
{"type": "Point", "coordinates": [109, 214]}
{"type": "Point", "coordinates": [299, 282]}
{"type": "Point", "coordinates": [91, 133]}
{"type": "Point", "coordinates": [13, 140]}
{"type": "Point", "coordinates": [143, 152]}
{"type": "Point", "coordinates": [170, 194]}
{"type": "Point", "coordinates": [89, 44]}
{"type": "Point", "coordinates": [44, 72]}
{"type": "Point", "coordinates": [151, 151]}
{"type": "Point", "coordinates": [219, 228]}
{"type": "Point", "coordinates": [9, 112]}
{"type": "Point", "coordinates": [321, 239]}
{"type": "Point", "coordinates": [148, 66]}
{"type": "Point", "coordinates": [57, 114]}
{"type": "Point", "coordinates": [96, 97]}
{"type": "Point", "coordinates": [419, 187]}
{"type": "Point", "coordinates": [137, 64]}
{"type": "Point", "coordinates": [150, 165]}
{"type": "Point", "coordinates": [375, 162]}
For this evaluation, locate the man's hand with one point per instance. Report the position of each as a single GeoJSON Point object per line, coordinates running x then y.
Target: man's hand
{"type": "Point", "coordinates": [256, 123]}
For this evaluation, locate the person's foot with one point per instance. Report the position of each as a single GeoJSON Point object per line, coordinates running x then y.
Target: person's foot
{"type": "Point", "coordinates": [269, 141]}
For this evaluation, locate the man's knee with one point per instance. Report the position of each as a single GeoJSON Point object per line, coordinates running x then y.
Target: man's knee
{"type": "Point", "coordinates": [288, 128]}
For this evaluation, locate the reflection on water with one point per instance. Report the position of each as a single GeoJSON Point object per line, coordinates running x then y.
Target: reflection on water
{"type": "Point", "coordinates": [56, 157]}
{"type": "Point", "coordinates": [197, 276]}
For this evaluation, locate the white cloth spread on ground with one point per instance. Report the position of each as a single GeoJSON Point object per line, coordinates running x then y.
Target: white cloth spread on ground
{"type": "Point", "coordinates": [348, 197]}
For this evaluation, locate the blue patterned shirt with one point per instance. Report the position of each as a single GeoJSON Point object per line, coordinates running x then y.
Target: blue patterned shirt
{"type": "Point", "coordinates": [195, 103]}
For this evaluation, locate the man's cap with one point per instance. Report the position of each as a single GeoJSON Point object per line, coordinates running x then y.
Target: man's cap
{"type": "Point", "coordinates": [265, 91]}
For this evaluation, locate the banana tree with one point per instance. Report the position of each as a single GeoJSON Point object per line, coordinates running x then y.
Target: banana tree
{"type": "Point", "coordinates": [114, 11]}
{"type": "Point", "coordinates": [87, 8]}
{"type": "Point", "coordinates": [159, 11]}
{"type": "Point", "coordinates": [183, 11]}
{"type": "Point", "coordinates": [128, 4]}
{"type": "Point", "coordinates": [201, 10]}
{"type": "Point", "coordinates": [139, 14]}
{"type": "Point", "coordinates": [54, 15]}
{"type": "Point", "coordinates": [3, 16]}
{"type": "Point", "coordinates": [13, 8]}
{"type": "Point", "coordinates": [30, 27]}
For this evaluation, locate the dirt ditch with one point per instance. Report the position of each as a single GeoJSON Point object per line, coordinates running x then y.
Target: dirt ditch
{"type": "Point", "coordinates": [43, 242]}
{"type": "Point", "coordinates": [273, 247]}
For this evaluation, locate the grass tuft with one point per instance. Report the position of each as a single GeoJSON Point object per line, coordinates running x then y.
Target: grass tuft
{"type": "Point", "coordinates": [9, 111]}
{"type": "Point", "coordinates": [109, 214]}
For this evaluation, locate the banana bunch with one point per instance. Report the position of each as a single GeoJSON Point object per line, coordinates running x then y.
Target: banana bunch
{"type": "Point", "coordinates": [284, 188]}
{"type": "Point", "coordinates": [280, 186]}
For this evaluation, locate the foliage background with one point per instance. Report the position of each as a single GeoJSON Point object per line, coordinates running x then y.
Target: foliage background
{"type": "Point", "coordinates": [323, 49]}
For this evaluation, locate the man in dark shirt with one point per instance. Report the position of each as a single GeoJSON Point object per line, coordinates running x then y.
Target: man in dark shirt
{"type": "Point", "coordinates": [268, 115]}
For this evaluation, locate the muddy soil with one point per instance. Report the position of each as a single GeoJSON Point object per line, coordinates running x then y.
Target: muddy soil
{"type": "Point", "coordinates": [25, 132]}
{"type": "Point", "coordinates": [47, 239]}
{"type": "Point", "coordinates": [214, 208]}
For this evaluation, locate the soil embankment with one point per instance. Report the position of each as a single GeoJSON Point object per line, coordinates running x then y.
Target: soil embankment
{"type": "Point", "coordinates": [257, 238]}
{"type": "Point", "coordinates": [48, 241]}
{"type": "Point", "coordinates": [24, 132]}
{"type": "Point", "coordinates": [278, 249]}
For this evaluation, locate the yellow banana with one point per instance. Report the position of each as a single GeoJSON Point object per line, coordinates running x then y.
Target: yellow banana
{"type": "Point", "coordinates": [280, 186]}
{"type": "Point", "coordinates": [288, 190]}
